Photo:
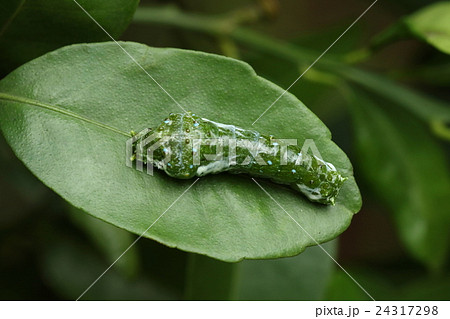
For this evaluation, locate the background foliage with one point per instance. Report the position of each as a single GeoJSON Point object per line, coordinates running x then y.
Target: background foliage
{"type": "Point", "coordinates": [383, 92]}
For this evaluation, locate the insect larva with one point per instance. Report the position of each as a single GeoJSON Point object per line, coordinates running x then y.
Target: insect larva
{"type": "Point", "coordinates": [185, 145]}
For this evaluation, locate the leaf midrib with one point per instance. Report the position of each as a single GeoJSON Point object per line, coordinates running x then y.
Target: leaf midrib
{"type": "Point", "coordinates": [19, 99]}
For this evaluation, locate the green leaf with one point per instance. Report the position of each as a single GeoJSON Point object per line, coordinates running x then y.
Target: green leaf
{"type": "Point", "coordinates": [29, 29]}
{"type": "Point", "coordinates": [66, 115]}
{"type": "Point", "coordinates": [406, 168]}
{"type": "Point", "coordinates": [303, 277]}
{"type": "Point", "coordinates": [432, 24]}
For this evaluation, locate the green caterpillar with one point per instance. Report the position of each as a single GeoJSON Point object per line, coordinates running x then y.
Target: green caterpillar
{"type": "Point", "coordinates": [185, 145]}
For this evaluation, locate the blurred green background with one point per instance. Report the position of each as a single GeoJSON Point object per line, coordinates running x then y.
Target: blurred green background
{"type": "Point", "coordinates": [387, 109]}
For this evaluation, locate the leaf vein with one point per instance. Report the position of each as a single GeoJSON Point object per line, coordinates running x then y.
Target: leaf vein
{"type": "Point", "coordinates": [19, 99]}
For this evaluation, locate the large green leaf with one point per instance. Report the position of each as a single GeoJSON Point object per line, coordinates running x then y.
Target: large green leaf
{"type": "Point", "coordinates": [406, 168]}
{"type": "Point", "coordinates": [54, 111]}
{"type": "Point", "coordinates": [29, 29]}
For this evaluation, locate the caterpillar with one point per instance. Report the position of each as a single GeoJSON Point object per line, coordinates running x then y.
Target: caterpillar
{"type": "Point", "coordinates": [185, 145]}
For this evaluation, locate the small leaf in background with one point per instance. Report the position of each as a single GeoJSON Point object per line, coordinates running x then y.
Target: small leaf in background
{"type": "Point", "coordinates": [407, 170]}
{"type": "Point", "coordinates": [225, 216]}
{"type": "Point", "coordinates": [432, 24]}
{"type": "Point", "coordinates": [29, 29]}
{"type": "Point", "coordinates": [303, 277]}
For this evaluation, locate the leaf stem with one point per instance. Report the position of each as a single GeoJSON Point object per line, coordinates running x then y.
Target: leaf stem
{"type": "Point", "coordinates": [18, 99]}
{"type": "Point", "coordinates": [220, 26]}
{"type": "Point", "coordinates": [425, 107]}
{"type": "Point", "coordinates": [210, 279]}
{"type": "Point", "coordinates": [358, 56]}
